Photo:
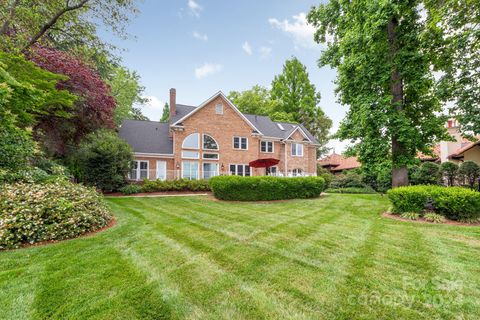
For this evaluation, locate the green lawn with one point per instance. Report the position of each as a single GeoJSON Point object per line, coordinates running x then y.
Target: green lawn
{"type": "Point", "coordinates": [194, 258]}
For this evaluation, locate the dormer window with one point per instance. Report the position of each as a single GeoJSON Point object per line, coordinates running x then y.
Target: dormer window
{"type": "Point", "coordinates": [219, 108]}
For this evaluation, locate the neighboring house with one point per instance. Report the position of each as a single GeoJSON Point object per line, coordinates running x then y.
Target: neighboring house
{"type": "Point", "coordinates": [456, 151]}
{"type": "Point", "coordinates": [215, 138]}
{"type": "Point", "coordinates": [336, 163]}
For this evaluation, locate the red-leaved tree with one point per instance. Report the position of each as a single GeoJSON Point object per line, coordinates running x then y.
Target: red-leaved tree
{"type": "Point", "coordinates": [93, 109]}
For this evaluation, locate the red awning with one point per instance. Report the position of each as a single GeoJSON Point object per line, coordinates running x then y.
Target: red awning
{"type": "Point", "coordinates": [263, 163]}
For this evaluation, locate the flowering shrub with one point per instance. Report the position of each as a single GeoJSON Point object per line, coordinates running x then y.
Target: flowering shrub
{"type": "Point", "coordinates": [31, 213]}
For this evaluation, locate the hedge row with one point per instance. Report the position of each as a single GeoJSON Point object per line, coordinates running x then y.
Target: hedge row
{"type": "Point", "coordinates": [266, 188]}
{"type": "Point", "coordinates": [31, 212]}
{"type": "Point", "coordinates": [455, 203]}
{"type": "Point", "coordinates": [175, 185]}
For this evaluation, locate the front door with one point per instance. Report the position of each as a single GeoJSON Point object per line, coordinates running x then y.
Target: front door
{"type": "Point", "coordinates": [161, 169]}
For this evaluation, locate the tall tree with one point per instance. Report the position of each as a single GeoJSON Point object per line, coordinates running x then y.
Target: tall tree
{"type": "Point", "coordinates": [298, 100]}
{"type": "Point", "coordinates": [165, 113]}
{"type": "Point", "coordinates": [128, 92]}
{"type": "Point", "coordinates": [384, 76]}
{"type": "Point", "coordinates": [454, 27]}
{"type": "Point", "coordinates": [256, 100]}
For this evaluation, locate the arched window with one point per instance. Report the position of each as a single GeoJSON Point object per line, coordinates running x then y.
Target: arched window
{"type": "Point", "coordinates": [192, 141]}
{"type": "Point", "coordinates": [209, 143]}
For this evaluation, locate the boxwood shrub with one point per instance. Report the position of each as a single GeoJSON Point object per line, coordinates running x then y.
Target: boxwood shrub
{"type": "Point", "coordinates": [175, 185]}
{"type": "Point", "coordinates": [31, 212]}
{"type": "Point", "coordinates": [265, 188]}
{"type": "Point", "coordinates": [455, 203]}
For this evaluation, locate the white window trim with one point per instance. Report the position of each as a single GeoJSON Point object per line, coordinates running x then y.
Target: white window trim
{"type": "Point", "coordinates": [291, 151]}
{"type": "Point", "coordinates": [267, 141]}
{"type": "Point", "coordinates": [240, 143]}
{"type": "Point", "coordinates": [240, 164]}
{"type": "Point", "coordinates": [183, 142]}
{"type": "Point", "coordinates": [210, 159]}
{"type": "Point", "coordinates": [216, 110]}
{"type": "Point", "coordinates": [203, 171]}
{"type": "Point", "coordinates": [138, 170]}
{"type": "Point", "coordinates": [198, 152]}
{"type": "Point", "coordinates": [203, 141]}
{"type": "Point", "coordinates": [198, 169]}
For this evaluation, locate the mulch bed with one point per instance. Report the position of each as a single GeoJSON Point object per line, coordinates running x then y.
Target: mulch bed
{"type": "Point", "coordinates": [110, 224]}
{"type": "Point", "coordinates": [151, 194]}
{"type": "Point", "coordinates": [422, 220]}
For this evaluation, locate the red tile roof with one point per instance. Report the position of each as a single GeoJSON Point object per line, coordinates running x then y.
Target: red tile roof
{"type": "Point", "coordinates": [459, 152]}
{"type": "Point", "coordinates": [339, 163]}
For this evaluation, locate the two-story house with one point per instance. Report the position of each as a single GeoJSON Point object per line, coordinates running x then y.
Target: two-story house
{"type": "Point", "coordinates": [215, 138]}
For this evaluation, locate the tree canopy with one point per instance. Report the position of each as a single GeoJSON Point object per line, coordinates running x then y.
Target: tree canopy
{"type": "Point", "coordinates": [384, 76]}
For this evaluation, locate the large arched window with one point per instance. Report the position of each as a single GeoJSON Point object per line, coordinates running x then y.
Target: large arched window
{"type": "Point", "coordinates": [192, 141]}
{"type": "Point", "coordinates": [209, 143]}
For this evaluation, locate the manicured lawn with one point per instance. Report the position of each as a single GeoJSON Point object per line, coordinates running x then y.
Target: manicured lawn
{"type": "Point", "coordinates": [194, 258]}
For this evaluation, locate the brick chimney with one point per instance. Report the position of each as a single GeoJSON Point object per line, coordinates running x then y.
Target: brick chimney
{"type": "Point", "coordinates": [173, 102]}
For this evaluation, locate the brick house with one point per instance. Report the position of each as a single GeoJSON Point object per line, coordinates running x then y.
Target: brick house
{"type": "Point", "coordinates": [215, 138]}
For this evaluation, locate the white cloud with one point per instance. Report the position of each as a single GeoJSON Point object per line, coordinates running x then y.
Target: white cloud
{"type": "Point", "coordinates": [265, 52]}
{"type": "Point", "coordinates": [299, 30]}
{"type": "Point", "coordinates": [247, 48]}
{"type": "Point", "coordinates": [153, 102]}
{"type": "Point", "coordinates": [200, 36]}
{"type": "Point", "coordinates": [194, 7]}
{"type": "Point", "coordinates": [207, 69]}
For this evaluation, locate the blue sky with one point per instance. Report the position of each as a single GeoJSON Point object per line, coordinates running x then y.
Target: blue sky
{"type": "Point", "coordinates": [200, 47]}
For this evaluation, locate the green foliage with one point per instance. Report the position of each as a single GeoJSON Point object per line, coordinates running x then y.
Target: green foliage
{"type": "Point", "coordinates": [348, 180]}
{"type": "Point", "coordinates": [102, 160]}
{"type": "Point", "coordinates": [16, 147]}
{"type": "Point", "coordinates": [31, 213]}
{"type": "Point", "coordinates": [428, 173]}
{"type": "Point", "coordinates": [175, 185]}
{"type": "Point", "coordinates": [434, 217]}
{"type": "Point", "coordinates": [469, 171]}
{"type": "Point", "coordinates": [325, 174]}
{"type": "Point", "coordinates": [455, 203]}
{"type": "Point", "coordinates": [263, 188]}
{"type": "Point", "coordinates": [128, 92]}
{"type": "Point", "coordinates": [449, 172]}
{"type": "Point", "coordinates": [378, 176]}
{"type": "Point", "coordinates": [130, 189]}
{"type": "Point", "coordinates": [165, 113]}
{"type": "Point", "coordinates": [256, 100]}
{"type": "Point", "coordinates": [352, 190]}
{"type": "Point", "coordinates": [410, 215]}
{"type": "Point", "coordinates": [384, 76]}
{"type": "Point", "coordinates": [298, 98]}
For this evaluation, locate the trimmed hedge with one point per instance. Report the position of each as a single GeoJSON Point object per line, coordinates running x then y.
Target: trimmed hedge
{"type": "Point", "coordinates": [364, 190]}
{"type": "Point", "coordinates": [31, 213]}
{"type": "Point", "coordinates": [455, 203]}
{"type": "Point", "coordinates": [175, 185]}
{"type": "Point", "coordinates": [266, 188]}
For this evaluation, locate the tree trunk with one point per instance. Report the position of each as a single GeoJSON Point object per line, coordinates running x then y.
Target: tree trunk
{"type": "Point", "coordinates": [399, 172]}
{"type": "Point", "coordinates": [9, 17]}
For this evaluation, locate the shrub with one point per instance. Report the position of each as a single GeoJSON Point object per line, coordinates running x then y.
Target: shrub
{"type": "Point", "coordinates": [348, 180]}
{"type": "Point", "coordinates": [30, 175]}
{"type": "Point", "coordinates": [410, 215]}
{"type": "Point", "coordinates": [266, 188]}
{"type": "Point", "coordinates": [175, 185]}
{"type": "Point", "coordinates": [366, 190]}
{"type": "Point", "coordinates": [31, 213]}
{"type": "Point", "coordinates": [428, 173]}
{"type": "Point", "coordinates": [16, 147]}
{"type": "Point", "coordinates": [455, 203]}
{"type": "Point", "coordinates": [131, 189]}
{"type": "Point", "coordinates": [434, 217]}
{"type": "Point", "coordinates": [325, 174]}
{"type": "Point", "coordinates": [469, 171]}
{"type": "Point", "coordinates": [449, 171]}
{"type": "Point", "coordinates": [103, 160]}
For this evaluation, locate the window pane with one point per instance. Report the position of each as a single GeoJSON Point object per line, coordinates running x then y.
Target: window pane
{"type": "Point", "coordinates": [270, 146]}
{"type": "Point", "coordinates": [244, 143]}
{"type": "Point", "coordinates": [236, 142]}
{"type": "Point", "coordinates": [240, 170]}
{"type": "Point", "coordinates": [143, 165]}
{"type": "Point", "coordinates": [190, 154]}
{"type": "Point", "coordinates": [219, 108]}
{"type": "Point", "coordinates": [232, 169]}
{"type": "Point", "coordinates": [210, 156]}
{"type": "Point", "coordinates": [191, 142]}
{"type": "Point", "coordinates": [190, 170]}
{"type": "Point", "coordinates": [210, 170]}
{"type": "Point", "coordinates": [263, 146]}
{"type": "Point", "coordinates": [247, 171]}
{"type": "Point", "coordinates": [209, 143]}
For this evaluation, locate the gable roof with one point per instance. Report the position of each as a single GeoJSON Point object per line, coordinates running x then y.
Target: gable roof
{"type": "Point", "coordinates": [218, 94]}
{"type": "Point", "coordinates": [459, 152]}
{"type": "Point", "coordinates": [147, 136]}
{"type": "Point", "coordinates": [339, 163]}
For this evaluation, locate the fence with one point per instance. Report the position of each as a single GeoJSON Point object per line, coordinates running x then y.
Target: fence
{"type": "Point", "coordinates": [151, 174]}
